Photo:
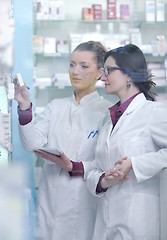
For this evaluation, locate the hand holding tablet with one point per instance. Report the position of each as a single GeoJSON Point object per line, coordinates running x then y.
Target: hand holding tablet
{"type": "Point", "coordinates": [50, 150]}
{"type": "Point", "coordinates": [56, 157]}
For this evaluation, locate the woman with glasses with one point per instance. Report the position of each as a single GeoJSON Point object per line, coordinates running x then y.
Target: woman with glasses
{"type": "Point", "coordinates": [66, 209]}
{"type": "Point", "coordinates": [133, 141]}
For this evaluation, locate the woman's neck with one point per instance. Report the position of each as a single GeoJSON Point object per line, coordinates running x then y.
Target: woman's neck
{"type": "Point", "coordinates": [128, 95]}
{"type": "Point", "coordinates": [80, 94]}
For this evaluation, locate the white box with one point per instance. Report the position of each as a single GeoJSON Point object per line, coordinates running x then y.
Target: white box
{"type": "Point", "coordinates": [150, 11]}
{"type": "Point", "coordinates": [160, 11]}
{"type": "Point", "coordinates": [49, 45]}
{"type": "Point", "coordinates": [56, 10]}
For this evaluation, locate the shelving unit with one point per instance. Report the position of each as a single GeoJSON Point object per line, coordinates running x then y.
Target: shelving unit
{"type": "Point", "coordinates": [51, 68]}
{"type": "Point", "coordinates": [6, 64]}
{"type": "Point", "coordinates": [16, 199]}
{"type": "Point", "coordinates": [110, 32]}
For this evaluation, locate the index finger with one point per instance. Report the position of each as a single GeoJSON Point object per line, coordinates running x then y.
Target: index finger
{"type": "Point", "coordinates": [109, 172]}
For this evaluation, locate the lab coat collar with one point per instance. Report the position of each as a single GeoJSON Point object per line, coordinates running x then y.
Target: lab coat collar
{"type": "Point", "coordinates": [137, 102]}
{"type": "Point", "coordinates": [119, 108]}
{"type": "Point", "coordinates": [86, 99]}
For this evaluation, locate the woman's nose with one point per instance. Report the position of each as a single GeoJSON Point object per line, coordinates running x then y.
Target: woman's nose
{"type": "Point", "coordinates": [103, 77]}
{"type": "Point", "coordinates": [75, 70]}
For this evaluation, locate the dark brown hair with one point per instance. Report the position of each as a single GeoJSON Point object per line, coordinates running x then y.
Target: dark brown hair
{"type": "Point", "coordinates": [133, 63]}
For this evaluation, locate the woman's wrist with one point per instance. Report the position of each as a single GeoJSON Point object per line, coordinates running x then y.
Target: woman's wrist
{"type": "Point", "coordinates": [24, 106]}
{"type": "Point", "coordinates": [104, 184]}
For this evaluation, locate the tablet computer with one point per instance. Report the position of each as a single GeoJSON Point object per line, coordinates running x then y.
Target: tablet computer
{"type": "Point", "coordinates": [50, 150]}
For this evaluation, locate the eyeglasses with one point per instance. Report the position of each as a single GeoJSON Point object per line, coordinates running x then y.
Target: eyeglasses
{"type": "Point", "coordinates": [108, 70]}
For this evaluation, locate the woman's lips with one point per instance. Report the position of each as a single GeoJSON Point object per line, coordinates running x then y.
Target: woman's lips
{"type": "Point", "coordinates": [76, 79]}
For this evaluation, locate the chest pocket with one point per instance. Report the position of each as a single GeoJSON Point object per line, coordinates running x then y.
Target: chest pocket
{"type": "Point", "coordinates": [87, 149]}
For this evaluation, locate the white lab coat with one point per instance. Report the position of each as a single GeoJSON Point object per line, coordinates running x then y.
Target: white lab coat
{"type": "Point", "coordinates": [67, 210]}
{"type": "Point", "coordinates": [130, 210]}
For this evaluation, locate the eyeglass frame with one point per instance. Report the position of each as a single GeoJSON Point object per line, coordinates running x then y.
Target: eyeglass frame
{"type": "Point", "coordinates": [108, 70]}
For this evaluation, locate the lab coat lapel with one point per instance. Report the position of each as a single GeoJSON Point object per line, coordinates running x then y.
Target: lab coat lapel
{"type": "Point", "coordinates": [137, 102]}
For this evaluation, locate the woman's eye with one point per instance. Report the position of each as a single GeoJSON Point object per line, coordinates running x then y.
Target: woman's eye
{"type": "Point", "coordinates": [84, 66]}
{"type": "Point", "coordinates": [71, 65]}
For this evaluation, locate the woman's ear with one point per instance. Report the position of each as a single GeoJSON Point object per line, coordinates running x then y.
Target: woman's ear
{"type": "Point", "coordinates": [100, 73]}
{"type": "Point", "coordinates": [128, 81]}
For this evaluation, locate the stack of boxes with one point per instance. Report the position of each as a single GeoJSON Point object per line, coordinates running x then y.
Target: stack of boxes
{"type": "Point", "coordinates": [97, 11]}
{"type": "Point", "coordinates": [111, 9]}
{"type": "Point", "coordinates": [93, 13]}
{"type": "Point", "coordinates": [155, 10]}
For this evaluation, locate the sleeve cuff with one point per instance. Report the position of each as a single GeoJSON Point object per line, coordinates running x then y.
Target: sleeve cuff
{"type": "Point", "coordinates": [25, 116]}
{"type": "Point", "coordinates": [99, 189]}
{"type": "Point", "coordinates": [78, 169]}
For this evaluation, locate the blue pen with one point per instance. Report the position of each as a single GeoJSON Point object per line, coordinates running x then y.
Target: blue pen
{"type": "Point", "coordinates": [90, 134]}
{"type": "Point", "coordinates": [95, 133]}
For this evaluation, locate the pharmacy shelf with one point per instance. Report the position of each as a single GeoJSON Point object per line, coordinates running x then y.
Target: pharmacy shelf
{"type": "Point", "coordinates": [38, 21]}
{"type": "Point", "coordinates": [109, 32]}
{"type": "Point", "coordinates": [99, 25]}
{"type": "Point", "coordinates": [51, 55]}
{"type": "Point", "coordinates": [64, 55]}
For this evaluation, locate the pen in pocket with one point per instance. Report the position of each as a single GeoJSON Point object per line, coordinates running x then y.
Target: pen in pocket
{"type": "Point", "coordinates": [90, 134]}
{"type": "Point", "coordinates": [93, 133]}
